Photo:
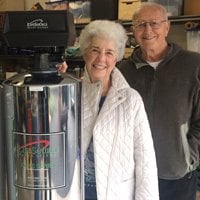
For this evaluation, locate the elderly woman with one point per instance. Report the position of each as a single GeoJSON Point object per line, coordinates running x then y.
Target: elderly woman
{"type": "Point", "coordinates": [120, 161]}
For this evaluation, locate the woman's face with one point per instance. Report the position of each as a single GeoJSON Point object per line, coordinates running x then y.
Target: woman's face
{"type": "Point", "coordinates": [100, 59]}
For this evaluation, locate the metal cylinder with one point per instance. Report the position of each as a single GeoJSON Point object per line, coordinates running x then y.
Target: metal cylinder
{"type": "Point", "coordinates": [3, 177]}
{"type": "Point", "coordinates": [43, 137]}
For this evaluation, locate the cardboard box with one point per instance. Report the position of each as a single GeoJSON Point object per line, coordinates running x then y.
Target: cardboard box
{"type": "Point", "coordinates": [191, 7]}
{"type": "Point", "coordinates": [10, 5]}
{"type": "Point", "coordinates": [126, 9]}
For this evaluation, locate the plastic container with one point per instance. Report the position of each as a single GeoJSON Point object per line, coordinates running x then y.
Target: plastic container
{"type": "Point", "coordinates": [174, 8]}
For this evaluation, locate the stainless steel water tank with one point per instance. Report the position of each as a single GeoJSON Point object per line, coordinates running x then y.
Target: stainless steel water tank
{"type": "Point", "coordinates": [43, 137]}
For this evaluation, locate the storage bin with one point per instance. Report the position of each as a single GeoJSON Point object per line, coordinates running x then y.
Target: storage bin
{"type": "Point", "coordinates": [193, 42]}
{"type": "Point", "coordinates": [174, 8]}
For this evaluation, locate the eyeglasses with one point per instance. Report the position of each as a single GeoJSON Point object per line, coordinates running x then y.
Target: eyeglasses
{"type": "Point", "coordinates": [154, 24]}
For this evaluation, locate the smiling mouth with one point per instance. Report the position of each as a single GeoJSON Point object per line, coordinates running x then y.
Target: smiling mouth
{"type": "Point", "coordinates": [148, 37]}
{"type": "Point", "coordinates": [99, 66]}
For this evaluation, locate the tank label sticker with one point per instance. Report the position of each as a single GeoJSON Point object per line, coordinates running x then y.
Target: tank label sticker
{"type": "Point", "coordinates": [39, 160]}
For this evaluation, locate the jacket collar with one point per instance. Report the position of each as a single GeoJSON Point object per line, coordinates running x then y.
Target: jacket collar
{"type": "Point", "coordinates": [118, 81]}
{"type": "Point", "coordinates": [137, 58]}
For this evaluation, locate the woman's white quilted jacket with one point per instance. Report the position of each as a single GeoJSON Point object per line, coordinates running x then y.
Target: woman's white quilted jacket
{"type": "Point", "coordinates": [125, 164]}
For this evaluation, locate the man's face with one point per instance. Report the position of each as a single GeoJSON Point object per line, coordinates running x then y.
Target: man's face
{"type": "Point", "coordinates": [151, 29]}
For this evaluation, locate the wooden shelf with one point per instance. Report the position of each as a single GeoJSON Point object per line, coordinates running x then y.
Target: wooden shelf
{"type": "Point", "coordinates": [182, 18]}
{"type": "Point", "coordinates": [185, 18]}
{"type": "Point", "coordinates": [177, 34]}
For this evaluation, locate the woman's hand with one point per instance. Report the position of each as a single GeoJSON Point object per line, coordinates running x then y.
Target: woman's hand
{"type": "Point", "coordinates": [62, 67]}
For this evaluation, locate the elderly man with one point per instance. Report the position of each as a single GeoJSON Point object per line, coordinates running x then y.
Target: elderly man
{"type": "Point", "coordinates": [168, 79]}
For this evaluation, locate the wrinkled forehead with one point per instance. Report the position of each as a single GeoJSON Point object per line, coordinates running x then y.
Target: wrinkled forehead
{"type": "Point", "coordinates": [102, 41]}
{"type": "Point", "coordinates": [149, 13]}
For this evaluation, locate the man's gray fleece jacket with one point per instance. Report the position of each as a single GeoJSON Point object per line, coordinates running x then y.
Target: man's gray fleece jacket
{"type": "Point", "coordinates": [171, 95]}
